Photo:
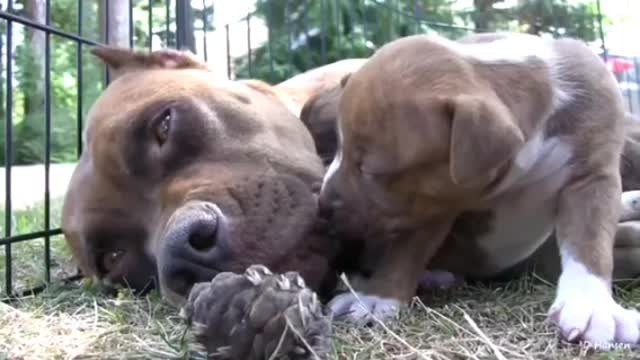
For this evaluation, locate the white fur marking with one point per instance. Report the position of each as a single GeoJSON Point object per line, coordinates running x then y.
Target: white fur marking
{"type": "Point", "coordinates": [585, 310]}
{"type": "Point", "coordinates": [335, 164]}
{"type": "Point", "coordinates": [523, 203]}
{"type": "Point", "coordinates": [538, 160]}
{"type": "Point", "coordinates": [363, 308]}
{"type": "Point", "coordinates": [518, 50]}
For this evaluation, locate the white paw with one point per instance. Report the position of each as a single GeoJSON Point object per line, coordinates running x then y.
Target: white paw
{"type": "Point", "coordinates": [630, 209]}
{"type": "Point", "coordinates": [363, 308]}
{"type": "Point", "coordinates": [585, 311]}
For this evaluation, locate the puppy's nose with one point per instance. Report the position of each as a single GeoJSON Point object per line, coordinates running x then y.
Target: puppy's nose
{"type": "Point", "coordinates": [325, 210]}
{"type": "Point", "coordinates": [328, 203]}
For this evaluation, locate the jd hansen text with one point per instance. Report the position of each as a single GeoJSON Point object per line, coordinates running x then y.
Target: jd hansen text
{"type": "Point", "coordinates": [606, 346]}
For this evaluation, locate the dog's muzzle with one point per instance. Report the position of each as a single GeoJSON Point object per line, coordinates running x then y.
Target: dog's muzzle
{"type": "Point", "coordinates": [192, 246]}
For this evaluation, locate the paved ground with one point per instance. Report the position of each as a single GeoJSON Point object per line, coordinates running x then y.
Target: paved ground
{"type": "Point", "coordinates": [27, 183]}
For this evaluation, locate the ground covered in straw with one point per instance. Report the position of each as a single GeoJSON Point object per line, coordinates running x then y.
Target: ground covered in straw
{"type": "Point", "coordinates": [501, 321]}
{"type": "Point", "coordinates": [494, 322]}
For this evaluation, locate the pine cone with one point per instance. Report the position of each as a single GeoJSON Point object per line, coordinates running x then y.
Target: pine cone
{"type": "Point", "coordinates": [256, 314]}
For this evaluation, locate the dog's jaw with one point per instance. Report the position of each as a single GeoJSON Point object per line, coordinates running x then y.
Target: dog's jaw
{"type": "Point", "coordinates": [585, 310]}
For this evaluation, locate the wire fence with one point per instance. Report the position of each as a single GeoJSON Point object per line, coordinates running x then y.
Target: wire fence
{"type": "Point", "coordinates": [274, 41]}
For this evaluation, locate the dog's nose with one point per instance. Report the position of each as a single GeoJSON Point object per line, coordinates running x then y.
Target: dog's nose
{"type": "Point", "coordinates": [189, 251]}
{"type": "Point", "coordinates": [196, 234]}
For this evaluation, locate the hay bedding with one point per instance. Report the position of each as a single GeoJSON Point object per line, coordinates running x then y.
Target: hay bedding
{"type": "Point", "coordinates": [502, 321]}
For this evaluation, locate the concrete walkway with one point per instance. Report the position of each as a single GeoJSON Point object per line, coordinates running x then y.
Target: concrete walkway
{"type": "Point", "coordinates": [27, 183]}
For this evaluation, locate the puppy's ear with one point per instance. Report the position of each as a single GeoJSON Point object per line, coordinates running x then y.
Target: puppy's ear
{"type": "Point", "coordinates": [345, 80]}
{"type": "Point", "coordinates": [484, 136]}
{"type": "Point", "coordinates": [120, 60]}
{"type": "Point", "coordinates": [306, 111]}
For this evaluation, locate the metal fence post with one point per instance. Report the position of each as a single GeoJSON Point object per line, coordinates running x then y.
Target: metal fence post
{"type": "Point", "coordinates": [184, 25]}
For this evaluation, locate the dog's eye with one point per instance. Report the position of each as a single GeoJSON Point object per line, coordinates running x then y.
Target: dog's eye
{"type": "Point", "coordinates": [111, 259]}
{"type": "Point", "coordinates": [163, 125]}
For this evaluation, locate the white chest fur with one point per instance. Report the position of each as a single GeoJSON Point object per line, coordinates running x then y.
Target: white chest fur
{"type": "Point", "coordinates": [524, 204]}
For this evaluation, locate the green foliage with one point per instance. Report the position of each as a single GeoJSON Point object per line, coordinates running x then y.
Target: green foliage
{"type": "Point", "coordinates": [305, 34]}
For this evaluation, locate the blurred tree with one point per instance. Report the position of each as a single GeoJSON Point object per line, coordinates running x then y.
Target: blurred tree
{"type": "Point", "coordinates": [306, 33]}
{"type": "Point", "coordinates": [32, 54]}
{"type": "Point", "coordinates": [117, 13]}
{"type": "Point", "coordinates": [557, 18]}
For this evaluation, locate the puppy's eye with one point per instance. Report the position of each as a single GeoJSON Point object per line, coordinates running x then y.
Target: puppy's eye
{"type": "Point", "coordinates": [111, 259]}
{"type": "Point", "coordinates": [365, 172]}
{"type": "Point", "coordinates": [163, 126]}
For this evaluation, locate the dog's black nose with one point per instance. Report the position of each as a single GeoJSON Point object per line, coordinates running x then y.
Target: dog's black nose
{"type": "Point", "coordinates": [189, 249]}
{"type": "Point", "coordinates": [196, 234]}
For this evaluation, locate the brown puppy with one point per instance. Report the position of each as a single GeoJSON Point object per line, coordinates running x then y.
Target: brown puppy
{"type": "Point", "coordinates": [320, 114]}
{"type": "Point", "coordinates": [523, 130]}
{"type": "Point", "coordinates": [185, 175]}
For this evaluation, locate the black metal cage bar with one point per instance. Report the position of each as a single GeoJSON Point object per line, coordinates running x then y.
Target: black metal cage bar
{"type": "Point", "coordinates": [8, 272]}
{"type": "Point", "coordinates": [299, 35]}
{"type": "Point", "coordinates": [11, 15]}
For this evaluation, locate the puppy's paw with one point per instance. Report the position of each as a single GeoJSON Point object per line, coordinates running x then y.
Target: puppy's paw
{"type": "Point", "coordinates": [630, 209]}
{"type": "Point", "coordinates": [433, 279]}
{"type": "Point", "coordinates": [584, 310]}
{"type": "Point", "coordinates": [595, 321]}
{"type": "Point", "coordinates": [363, 308]}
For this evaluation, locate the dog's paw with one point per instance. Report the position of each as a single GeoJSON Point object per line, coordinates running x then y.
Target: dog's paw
{"type": "Point", "coordinates": [584, 310]}
{"type": "Point", "coordinates": [363, 308]}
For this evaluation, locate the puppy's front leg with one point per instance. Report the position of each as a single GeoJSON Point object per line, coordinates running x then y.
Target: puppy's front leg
{"type": "Point", "coordinates": [394, 280]}
{"type": "Point", "coordinates": [584, 308]}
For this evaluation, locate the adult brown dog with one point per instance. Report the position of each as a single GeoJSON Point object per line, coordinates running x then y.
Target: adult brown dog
{"type": "Point", "coordinates": [185, 175]}
{"type": "Point", "coordinates": [523, 130]}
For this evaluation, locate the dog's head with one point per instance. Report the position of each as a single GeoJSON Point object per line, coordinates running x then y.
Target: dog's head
{"type": "Point", "coordinates": [185, 175]}
{"type": "Point", "coordinates": [420, 137]}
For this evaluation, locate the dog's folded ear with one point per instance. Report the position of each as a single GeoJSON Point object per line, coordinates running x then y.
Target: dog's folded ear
{"type": "Point", "coordinates": [484, 136]}
{"type": "Point", "coordinates": [120, 60]}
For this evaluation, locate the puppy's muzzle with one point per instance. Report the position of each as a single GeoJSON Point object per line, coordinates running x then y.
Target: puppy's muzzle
{"type": "Point", "coordinates": [192, 246]}
{"type": "Point", "coordinates": [328, 204]}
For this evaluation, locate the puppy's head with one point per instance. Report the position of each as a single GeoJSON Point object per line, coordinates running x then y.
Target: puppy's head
{"type": "Point", "coordinates": [185, 175]}
{"type": "Point", "coordinates": [420, 137]}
